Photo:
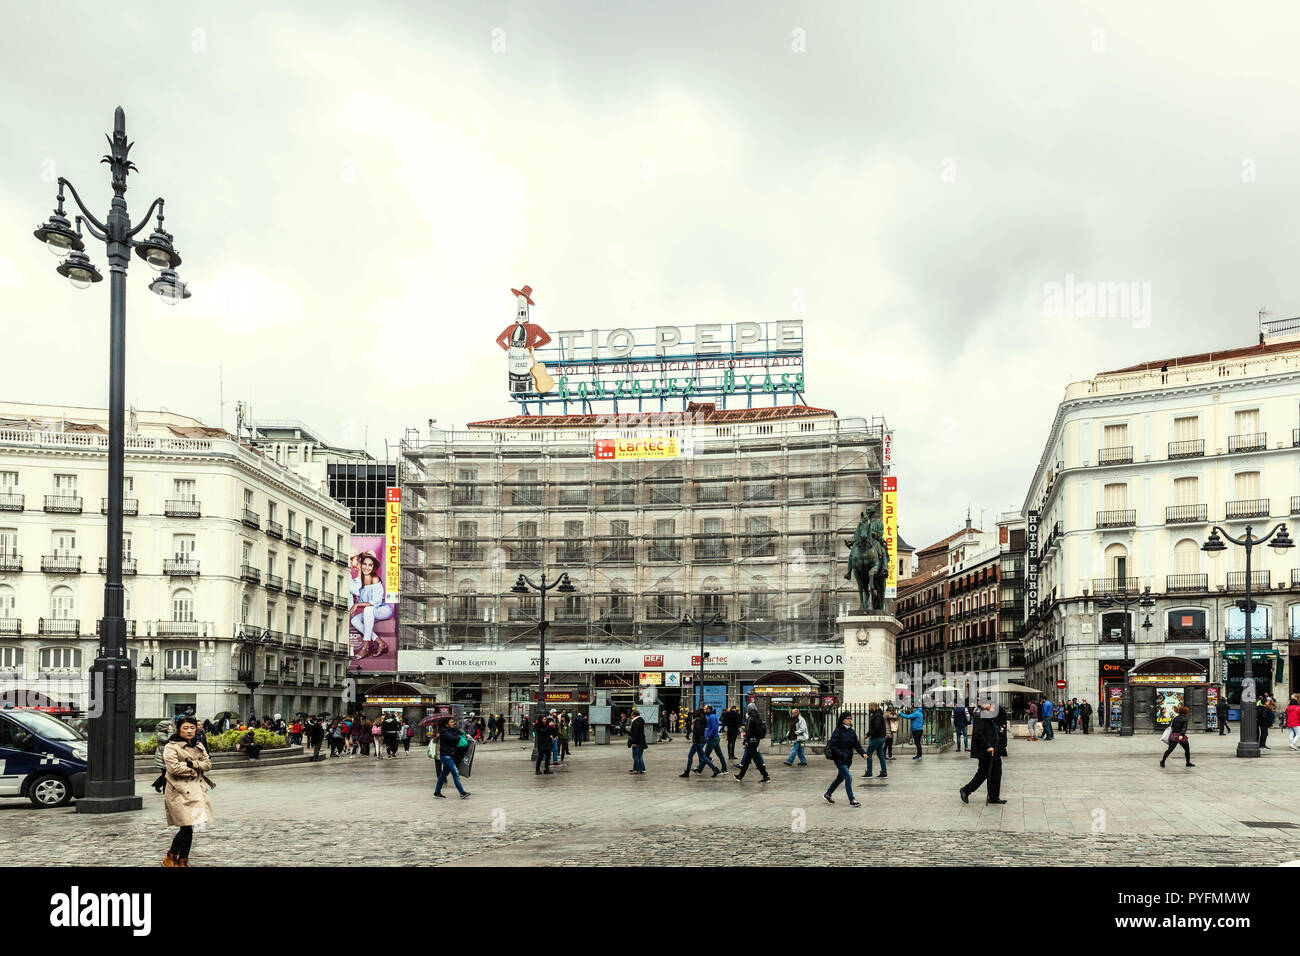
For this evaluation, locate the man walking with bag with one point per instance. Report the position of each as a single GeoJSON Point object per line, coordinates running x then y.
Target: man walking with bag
{"type": "Point", "coordinates": [755, 731]}
{"type": "Point", "coordinates": [986, 747]}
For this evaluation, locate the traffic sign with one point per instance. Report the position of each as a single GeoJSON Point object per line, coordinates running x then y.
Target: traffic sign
{"type": "Point", "coordinates": [1060, 685]}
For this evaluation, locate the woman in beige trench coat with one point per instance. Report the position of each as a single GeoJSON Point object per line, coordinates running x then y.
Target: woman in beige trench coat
{"type": "Point", "coordinates": [186, 797]}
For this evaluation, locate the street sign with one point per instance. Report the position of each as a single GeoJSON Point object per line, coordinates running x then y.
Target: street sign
{"type": "Point", "coordinates": [1060, 685]}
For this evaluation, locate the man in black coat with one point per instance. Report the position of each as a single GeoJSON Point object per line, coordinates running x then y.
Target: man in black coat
{"type": "Point", "coordinates": [543, 730]}
{"type": "Point", "coordinates": [1221, 711]}
{"type": "Point", "coordinates": [1085, 714]}
{"type": "Point", "coordinates": [731, 721]}
{"type": "Point", "coordinates": [985, 746]}
{"type": "Point", "coordinates": [315, 737]}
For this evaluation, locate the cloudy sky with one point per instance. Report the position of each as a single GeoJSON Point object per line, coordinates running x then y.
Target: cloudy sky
{"type": "Point", "coordinates": [356, 187]}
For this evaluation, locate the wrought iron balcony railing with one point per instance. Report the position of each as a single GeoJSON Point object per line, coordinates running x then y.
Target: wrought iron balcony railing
{"type": "Point", "coordinates": [1246, 508]}
{"type": "Point", "coordinates": [1250, 441]}
{"type": "Point", "coordinates": [1175, 583]}
{"type": "Point", "coordinates": [1194, 448]}
{"type": "Point", "coordinates": [61, 563]}
{"type": "Point", "coordinates": [64, 504]}
{"type": "Point", "coordinates": [251, 518]}
{"type": "Point", "coordinates": [1120, 455]}
{"type": "Point", "coordinates": [130, 506]}
{"type": "Point", "coordinates": [1120, 518]}
{"type": "Point", "coordinates": [128, 565]}
{"type": "Point", "coordinates": [274, 529]}
{"type": "Point", "coordinates": [182, 508]}
{"type": "Point", "coordinates": [180, 567]}
{"type": "Point", "coordinates": [1185, 514]}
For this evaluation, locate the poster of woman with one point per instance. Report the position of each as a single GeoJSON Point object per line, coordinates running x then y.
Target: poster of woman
{"type": "Point", "coordinates": [1168, 700]}
{"type": "Point", "coordinates": [372, 621]}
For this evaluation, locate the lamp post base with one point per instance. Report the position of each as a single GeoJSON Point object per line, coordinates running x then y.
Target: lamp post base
{"type": "Point", "coordinates": [1247, 748]}
{"type": "Point", "coordinates": [114, 804]}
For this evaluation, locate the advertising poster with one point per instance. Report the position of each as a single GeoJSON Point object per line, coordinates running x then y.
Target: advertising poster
{"type": "Point", "coordinates": [393, 545]}
{"type": "Point", "coordinates": [889, 517]}
{"type": "Point", "coordinates": [1115, 706]}
{"type": "Point", "coordinates": [372, 618]}
{"type": "Point", "coordinates": [1168, 700]}
{"type": "Point", "coordinates": [1211, 709]}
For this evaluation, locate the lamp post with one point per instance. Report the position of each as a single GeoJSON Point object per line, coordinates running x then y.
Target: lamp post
{"type": "Point", "coordinates": [1248, 744]}
{"type": "Point", "coordinates": [1124, 600]}
{"type": "Point", "coordinates": [249, 677]}
{"type": "Point", "coordinates": [523, 585]}
{"type": "Point", "coordinates": [110, 780]}
{"type": "Point", "coordinates": [715, 621]}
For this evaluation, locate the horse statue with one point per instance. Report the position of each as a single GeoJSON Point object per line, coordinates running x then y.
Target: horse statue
{"type": "Point", "coordinates": [869, 562]}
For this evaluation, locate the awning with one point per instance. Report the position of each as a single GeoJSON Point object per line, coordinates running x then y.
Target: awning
{"type": "Point", "coordinates": [1013, 689]}
{"type": "Point", "coordinates": [1239, 654]}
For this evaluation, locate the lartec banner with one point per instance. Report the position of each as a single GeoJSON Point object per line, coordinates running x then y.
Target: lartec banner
{"type": "Point", "coordinates": [393, 545]}
{"type": "Point", "coordinates": [889, 505]}
{"type": "Point", "coordinates": [627, 449]}
{"type": "Point", "coordinates": [607, 660]}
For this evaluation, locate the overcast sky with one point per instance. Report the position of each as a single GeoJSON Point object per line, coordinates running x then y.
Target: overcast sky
{"type": "Point", "coordinates": [355, 188]}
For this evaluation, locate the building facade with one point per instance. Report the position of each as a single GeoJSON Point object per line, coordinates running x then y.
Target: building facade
{"type": "Point", "coordinates": [745, 527]}
{"type": "Point", "coordinates": [230, 566]}
{"type": "Point", "coordinates": [1138, 465]}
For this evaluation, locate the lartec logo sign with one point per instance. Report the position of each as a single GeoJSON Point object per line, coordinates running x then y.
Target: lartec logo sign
{"type": "Point", "coordinates": [628, 449]}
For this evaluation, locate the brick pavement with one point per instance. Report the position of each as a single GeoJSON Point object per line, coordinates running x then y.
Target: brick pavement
{"type": "Point", "coordinates": [1077, 800]}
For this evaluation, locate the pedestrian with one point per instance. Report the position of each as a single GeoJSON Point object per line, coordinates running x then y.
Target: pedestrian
{"type": "Point", "coordinates": [986, 747]}
{"type": "Point", "coordinates": [390, 728]}
{"type": "Point", "coordinates": [553, 722]}
{"type": "Point", "coordinates": [1062, 716]}
{"type": "Point", "coordinates": [315, 737]}
{"type": "Point", "coordinates": [542, 739]}
{"type": "Point", "coordinates": [959, 722]}
{"type": "Point", "coordinates": [840, 748]}
{"type": "Point", "coordinates": [1221, 711]}
{"type": "Point", "coordinates": [186, 799]}
{"type": "Point", "coordinates": [1293, 720]}
{"type": "Point", "coordinates": [712, 730]}
{"type": "Point", "coordinates": [376, 735]}
{"type": "Point", "coordinates": [405, 735]}
{"type": "Point", "coordinates": [523, 726]}
{"type": "Point", "coordinates": [1265, 714]}
{"type": "Point", "coordinates": [731, 721]}
{"type": "Point", "coordinates": [1085, 715]}
{"type": "Point", "coordinates": [566, 734]}
{"type": "Point", "coordinates": [636, 740]}
{"type": "Point", "coordinates": [1046, 711]}
{"type": "Point", "coordinates": [248, 744]}
{"type": "Point", "coordinates": [1177, 735]}
{"type": "Point", "coordinates": [798, 734]}
{"type": "Point", "coordinates": [448, 742]}
{"type": "Point", "coordinates": [891, 728]}
{"type": "Point", "coordinates": [664, 735]}
{"type": "Point", "coordinates": [1033, 720]}
{"type": "Point", "coordinates": [915, 717]}
{"type": "Point", "coordinates": [755, 731]}
{"type": "Point", "coordinates": [336, 737]}
{"type": "Point", "coordinates": [699, 728]}
{"type": "Point", "coordinates": [876, 738]}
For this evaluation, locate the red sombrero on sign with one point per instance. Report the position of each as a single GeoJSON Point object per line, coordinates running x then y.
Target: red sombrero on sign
{"type": "Point", "coordinates": [526, 292]}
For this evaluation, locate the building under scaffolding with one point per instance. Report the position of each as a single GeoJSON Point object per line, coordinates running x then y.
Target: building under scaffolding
{"type": "Point", "coordinates": [745, 524]}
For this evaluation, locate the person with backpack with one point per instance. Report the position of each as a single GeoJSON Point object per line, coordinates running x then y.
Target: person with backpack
{"type": "Point", "coordinates": [840, 748]}
{"type": "Point", "coordinates": [448, 743]}
{"type": "Point", "coordinates": [798, 734]}
{"type": "Point", "coordinates": [755, 731]}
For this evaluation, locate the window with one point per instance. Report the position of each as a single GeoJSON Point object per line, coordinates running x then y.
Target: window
{"type": "Point", "coordinates": [1186, 428]}
{"type": "Point", "coordinates": [270, 510]}
{"type": "Point", "coordinates": [127, 547]}
{"type": "Point", "coordinates": [270, 562]}
{"type": "Point", "coordinates": [1185, 491]}
{"type": "Point", "coordinates": [183, 489]}
{"type": "Point", "coordinates": [291, 519]}
{"type": "Point", "coordinates": [62, 604]}
{"type": "Point", "coordinates": [306, 529]}
{"type": "Point", "coordinates": [288, 574]}
{"type": "Point", "coordinates": [1187, 557]}
{"type": "Point", "coordinates": [246, 610]}
{"type": "Point", "coordinates": [573, 530]}
{"type": "Point", "coordinates": [182, 659]}
{"type": "Point", "coordinates": [467, 474]}
{"type": "Point", "coordinates": [288, 621]}
{"type": "Point", "coordinates": [618, 528]}
{"type": "Point", "coordinates": [1117, 562]}
{"type": "Point", "coordinates": [1245, 486]}
{"type": "Point", "coordinates": [246, 553]}
{"type": "Point", "coordinates": [306, 623]}
{"type": "Point", "coordinates": [665, 527]}
{"type": "Point", "coordinates": [65, 485]}
{"type": "Point", "coordinates": [64, 543]}
{"type": "Point", "coordinates": [8, 542]}
{"type": "Point", "coordinates": [8, 601]}
{"type": "Point", "coordinates": [183, 545]}
{"type": "Point", "coordinates": [183, 605]}
{"type": "Point", "coordinates": [248, 499]}
{"type": "Point", "coordinates": [1116, 436]}
{"type": "Point", "coordinates": [270, 615]}
{"type": "Point", "coordinates": [8, 482]}
{"type": "Point", "coordinates": [1246, 421]}
{"type": "Point", "coordinates": [60, 658]}
{"type": "Point", "coordinates": [1116, 497]}
{"type": "Point", "coordinates": [11, 658]}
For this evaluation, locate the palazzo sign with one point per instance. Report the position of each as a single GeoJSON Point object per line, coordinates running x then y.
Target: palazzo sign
{"type": "Point", "coordinates": [654, 364]}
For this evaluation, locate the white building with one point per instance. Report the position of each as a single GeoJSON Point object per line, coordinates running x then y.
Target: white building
{"type": "Point", "coordinates": [221, 547]}
{"type": "Point", "coordinates": [1138, 465]}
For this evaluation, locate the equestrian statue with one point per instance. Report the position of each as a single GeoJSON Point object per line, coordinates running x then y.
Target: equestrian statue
{"type": "Point", "coordinates": [869, 562]}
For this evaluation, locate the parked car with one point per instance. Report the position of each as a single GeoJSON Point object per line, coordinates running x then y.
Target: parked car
{"type": "Point", "coordinates": [41, 758]}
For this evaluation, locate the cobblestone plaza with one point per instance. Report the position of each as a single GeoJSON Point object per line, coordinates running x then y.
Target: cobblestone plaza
{"type": "Point", "coordinates": [1075, 801]}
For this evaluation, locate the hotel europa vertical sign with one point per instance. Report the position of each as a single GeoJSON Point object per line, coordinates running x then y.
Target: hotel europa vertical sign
{"type": "Point", "coordinates": [393, 544]}
{"type": "Point", "coordinates": [889, 517]}
{"type": "Point", "coordinates": [1031, 560]}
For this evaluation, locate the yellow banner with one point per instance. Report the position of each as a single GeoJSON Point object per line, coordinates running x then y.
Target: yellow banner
{"type": "Point", "coordinates": [393, 545]}
{"type": "Point", "coordinates": [889, 507]}
{"type": "Point", "coordinates": [626, 449]}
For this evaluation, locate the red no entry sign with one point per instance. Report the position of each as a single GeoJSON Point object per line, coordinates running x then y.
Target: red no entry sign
{"type": "Point", "coordinates": [1060, 685]}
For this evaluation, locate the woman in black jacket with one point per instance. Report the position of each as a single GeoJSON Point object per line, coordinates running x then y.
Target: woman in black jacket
{"type": "Point", "coordinates": [448, 742]}
{"type": "Point", "coordinates": [840, 748]}
{"type": "Point", "coordinates": [1178, 736]}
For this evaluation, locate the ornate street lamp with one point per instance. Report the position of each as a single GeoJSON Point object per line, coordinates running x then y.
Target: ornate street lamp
{"type": "Point", "coordinates": [110, 781]}
{"type": "Point", "coordinates": [717, 620]}
{"type": "Point", "coordinates": [524, 585]}
{"type": "Point", "coordinates": [1248, 744]}
{"type": "Point", "coordinates": [1124, 600]}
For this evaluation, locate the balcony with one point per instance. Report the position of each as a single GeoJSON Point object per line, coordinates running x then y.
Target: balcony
{"type": "Point", "coordinates": [1259, 580]}
{"type": "Point", "coordinates": [571, 555]}
{"type": "Point", "coordinates": [1194, 448]}
{"type": "Point", "coordinates": [63, 504]}
{"type": "Point", "coordinates": [11, 625]}
{"type": "Point", "coordinates": [326, 552]}
{"type": "Point", "coordinates": [128, 565]}
{"type": "Point", "coordinates": [1122, 518]}
{"type": "Point", "coordinates": [11, 562]}
{"type": "Point", "coordinates": [180, 673]}
{"type": "Point", "coordinates": [620, 495]}
{"type": "Point", "coordinates": [660, 553]}
{"type": "Point", "coordinates": [757, 612]}
{"type": "Point", "coordinates": [465, 553]}
{"type": "Point", "coordinates": [250, 574]}
{"type": "Point", "coordinates": [1180, 583]}
{"type": "Point", "coordinates": [1185, 514]}
{"type": "Point", "coordinates": [274, 582]}
{"type": "Point", "coordinates": [59, 627]}
{"type": "Point", "coordinates": [571, 615]}
{"type": "Point", "coordinates": [1185, 634]}
{"type": "Point", "coordinates": [61, 563]}
{"type": "Point", "coordinates": [293, 537]}
{"type": "Point", "coordinates": [573, 497]}
{"type": "Point", "coordinates": [530, 556]}
{"type": "Point", "coordinates": [311, 545]}
{"type": "Point", "coordinates": [1120, 455]}
{"type": "Point", "coordinates": [180, 629]}
{"type": "Point", "coordinates": [618, 554]}
{"type": "Point", "coordinates": [712, 494]}
{"type": "Point", "coordinates": [1102, 586]}
{"type": "Point", "coordinates": [12, 502]}
{"type": "Point", "coordinates": [1246, 508]}
{"type": "Point", "coordinates": [466, 497]}
{"type": "Point", "coordinates": [274, 529]}
{"type": "Point", "coordinates": [757, 546]}
{"type": "Point", "coordinates": [310, 593]}
{"type": "Point", "coordinates": [251, 518]}
{"type": "Point", "coordinates": [1251, 441]}
{"type": "Point", "coordinates": [181, 567]}
{"type": "Point", "coordinates": [1258, 635]}
{"type": "Point", "coordinates": [712, 552]}
{"type": "Point", "coordinates": [182, 508]}
{"type": "Point", "coordinates": [666, 495]}
{"type": "Point", "coordinates": [130, 506]}
{"type": "Point", "coordinates": [293, 589]}
{"type": "Point", "coordinates": [526, 496]}
{"type": "Point", "coordinates": [1011, 602]}
{"type": "Point", "coordinates": [663, 612]}
{"type": "Point", "coordinates": [762, 491]}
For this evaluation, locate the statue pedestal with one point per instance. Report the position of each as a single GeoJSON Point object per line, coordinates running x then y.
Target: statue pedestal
{"type": "Point", "coordinates": [870, 650]}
